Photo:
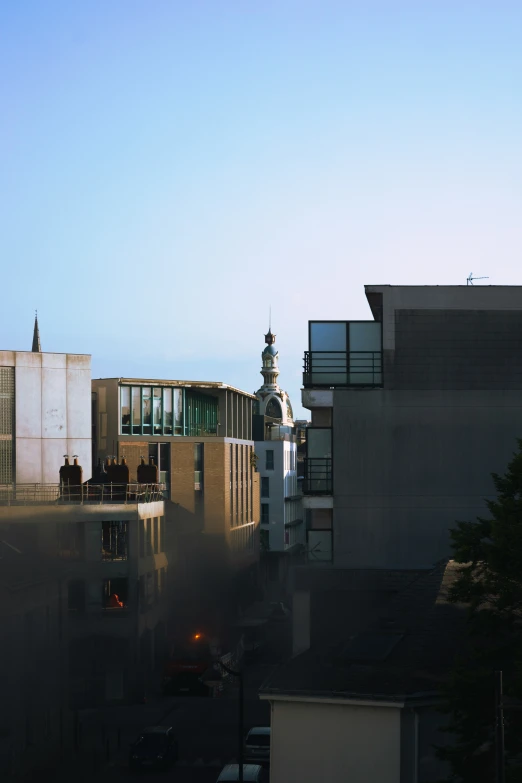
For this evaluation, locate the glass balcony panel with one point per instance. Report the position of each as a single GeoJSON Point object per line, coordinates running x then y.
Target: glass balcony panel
{"type": "Point", "coordinates": [365, 336]}
{"type": "Point", "coordinates": [327, 336]}
{"type": "Point", "coordinates": [319, 442]}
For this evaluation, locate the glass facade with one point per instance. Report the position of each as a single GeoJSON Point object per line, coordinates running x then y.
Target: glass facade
{"type": "Point", "coordinates": [159, 410]}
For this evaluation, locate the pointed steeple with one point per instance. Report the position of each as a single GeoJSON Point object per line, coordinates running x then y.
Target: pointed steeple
{"type": "Point", "coordinates": [37, 348]}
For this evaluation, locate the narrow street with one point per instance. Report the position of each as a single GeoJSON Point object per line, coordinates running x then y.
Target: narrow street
{"type": "Point", "coordinates": [206, 729]}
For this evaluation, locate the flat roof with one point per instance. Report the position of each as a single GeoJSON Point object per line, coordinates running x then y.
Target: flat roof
{"type": "Point", "coordinates": [185, 384]}
{"type": "Point", "coordinates": [435, 285]}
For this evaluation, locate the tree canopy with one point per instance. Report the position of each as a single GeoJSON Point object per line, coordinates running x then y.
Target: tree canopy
{"type": "Point", "coordinates": [490, 583]}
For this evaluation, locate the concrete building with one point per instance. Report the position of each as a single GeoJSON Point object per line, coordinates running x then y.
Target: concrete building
{"type": "Point", "coordinates": [35, 722]}
{"type": "Point", "coordinates": [282, 527]}
{"type": "Point", "coordinates": [411, 413]}
{"type": "Point", "coordinates": [360, 702]}
{"type": "Point", "coordinates": [44, 413]}
{"type": "Point", "coordinates": [105, 545]}
{"type": "Point", "coordinates": [199, 434]}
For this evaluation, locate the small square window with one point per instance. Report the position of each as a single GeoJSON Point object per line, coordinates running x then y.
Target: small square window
{"type": "Point", "coordinates": [265, 487]}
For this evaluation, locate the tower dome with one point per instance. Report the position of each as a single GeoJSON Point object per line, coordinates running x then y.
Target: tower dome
{"type": "Point", "coordinates": [273, 401]}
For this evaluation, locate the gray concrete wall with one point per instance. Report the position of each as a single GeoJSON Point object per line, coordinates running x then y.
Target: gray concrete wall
{"type": "Point", "coordinates": [408, 464]}
{"type": "Point", "coordinates": [455, 349]}
{"type": "Point", "coordinates": [52, 413]}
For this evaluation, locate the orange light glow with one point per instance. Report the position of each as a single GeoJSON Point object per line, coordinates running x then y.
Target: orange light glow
{"type": "Point", "coordinates": [197, 636]}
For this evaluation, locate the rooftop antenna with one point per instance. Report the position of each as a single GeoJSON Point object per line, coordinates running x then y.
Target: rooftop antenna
{"type": "Point", "coordinates": [270, 318]}
{"type": "Point", "coordinates": [470, 279]}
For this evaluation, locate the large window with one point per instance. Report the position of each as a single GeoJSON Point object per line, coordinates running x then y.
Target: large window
{"type": "Point", "coordinates": [198, 466]}
{"type": "Point", "coordinates": [157, 426]}
{"type": "Point", "coordinates": [125, 410]}
{"type": "Point", "coordinates": [114, 541]}
{"type": "Point", "coordinates": [265, 487]}
{"type": "Point", "coordinates": [269, 461]}
{"type": "Point", "coordinates": [158, 410]}
{"type": "Point", "coordinates": [265, 511]}
{"type": "Point", "coordinates": [147, 410]}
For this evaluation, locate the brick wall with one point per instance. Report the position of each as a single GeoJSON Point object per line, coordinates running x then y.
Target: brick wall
{"type": "Point", "coordinates": [132, 453]}
{"type": "Point", "coordinates": [215, 474]}
{"type": "Point", "coordinates": [455, 349]}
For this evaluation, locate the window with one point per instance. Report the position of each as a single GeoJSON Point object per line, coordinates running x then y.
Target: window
{"type": "Point", "coordinates": [198, 466]}
{"type": "Point", "coordinates": [125, 410]}
{"type": "Point", "coordinates": [115, 593]}
{"type": "Point", "coordinates": [237, 484]}
{"type": "Point", "coordinates": [143, 523]}
{"type": "Point", "coordinates": [164, 463]}
{"type": "Point", "coordinates": [162, 534]}
{"type": "Point", "coordinates": [153, 410]}
{"type": "Point", "coordinates": [157, 426]}
{"type": "Point", "coordinates": [265, 487]}
{"type": "Point", "coordinates": [156, 586]}
{"type": "Point", "coordinates": [156, 535]}
{"type": "Point", "coordinates": [269, 459]}
{"type": "Point", "coordinates": [178, 412]}
{"type": "Point", "coordinates": [76, 596]}
{"type": "Point", "coordinates": [136, 410]}
{"type": "Point", "coordinates": [148, 537]}
{"type": "Point", "coordinates": [265, 511]}
{"type": "Point", "coordinates": [273, 409]}
{"type": "Point", "coordinates": [147, 410]}
{"type": "Point", "coordinates": [70, 540]}
{"type": "Point", "coordinates": [167, 412]}
{"type": "Point", "coordinates": [114, 540]}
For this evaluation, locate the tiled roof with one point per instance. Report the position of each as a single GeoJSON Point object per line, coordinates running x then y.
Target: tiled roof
{"type": "Point", "coordinates": [376, 644]}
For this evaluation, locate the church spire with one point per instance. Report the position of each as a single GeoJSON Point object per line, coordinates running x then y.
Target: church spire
{"type": "Point", "coordinates": [37, 348]}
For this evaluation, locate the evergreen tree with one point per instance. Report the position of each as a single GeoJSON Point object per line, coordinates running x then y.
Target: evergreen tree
{"type": "Point", "coordinates": [490, 583]}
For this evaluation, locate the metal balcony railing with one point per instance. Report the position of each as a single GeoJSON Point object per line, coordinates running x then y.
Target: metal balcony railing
{"type": "Point", "coordinates": [81, 494]}
{"type": "Point", "coordinates": [342, 368]}
{"type": "Point", "coordinates": [318, 476]}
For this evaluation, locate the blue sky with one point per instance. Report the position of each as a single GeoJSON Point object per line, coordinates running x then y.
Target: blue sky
{"type": "Point", "coordinates": [171, 168]}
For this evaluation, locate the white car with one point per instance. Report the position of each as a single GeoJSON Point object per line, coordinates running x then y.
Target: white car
{"type": "Point", "coordinates": [252, 773]}
{"type": "Point", "coordinates": [257, 745]}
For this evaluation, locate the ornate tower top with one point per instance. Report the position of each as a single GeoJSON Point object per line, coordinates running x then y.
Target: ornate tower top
{"type": "Point", "coordinates": [269, 337]}
{"type": "Point", "coordinates": [37, 348]}
{"type": "Point", "coordinates": [273, 401]}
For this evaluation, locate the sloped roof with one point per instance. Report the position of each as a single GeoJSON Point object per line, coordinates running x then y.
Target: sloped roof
{"type": "Point", "coordinates": [386, 645]}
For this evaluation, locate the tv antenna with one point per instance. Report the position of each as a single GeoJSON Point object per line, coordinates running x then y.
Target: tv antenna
{"type": "Point", "coordinates": [470, 279]}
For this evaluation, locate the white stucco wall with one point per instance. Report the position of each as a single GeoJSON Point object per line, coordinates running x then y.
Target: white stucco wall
{"type": "Point", "coordinates": [313, 742]}
{"type": "Point", "coordinates": [52, 413]}
{"type": "Point", "coordinates": [283, 483]}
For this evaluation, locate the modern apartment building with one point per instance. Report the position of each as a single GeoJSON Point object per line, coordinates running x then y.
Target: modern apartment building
{"type": "Point", "coordinates": [199, 435]}
{"type": "Point", "coordinates": [44, 413]}
{"type": "Point", "coordinates": [282, 527]}
{"type": "Point", "coordinates": [411, 413]}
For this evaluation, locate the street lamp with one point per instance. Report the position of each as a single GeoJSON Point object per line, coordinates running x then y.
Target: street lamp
{"type": "Point", "coordinates": [214, 677]}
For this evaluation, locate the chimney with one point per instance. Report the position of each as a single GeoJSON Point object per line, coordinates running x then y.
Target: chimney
{"type": "Point", "coordinates": [71, 475]}
{"type": "Point", "coordinates": [147, 474]}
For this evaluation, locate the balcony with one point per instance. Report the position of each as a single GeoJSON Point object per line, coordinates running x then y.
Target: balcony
{"type": "Point", "coordinates": [81, 494]}
{"type": "Point", "coordinates": [343, 354]}
{"type": "Point", "coordinates": [318, 476]}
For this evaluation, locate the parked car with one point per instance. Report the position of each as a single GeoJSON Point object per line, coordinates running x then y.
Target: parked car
{"type": "Point", "coordinates": [155, 747]}
{"type": "Point", "coordinates": [257, 745]}
{"type": "Point", "coordinates": [252, 773]}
